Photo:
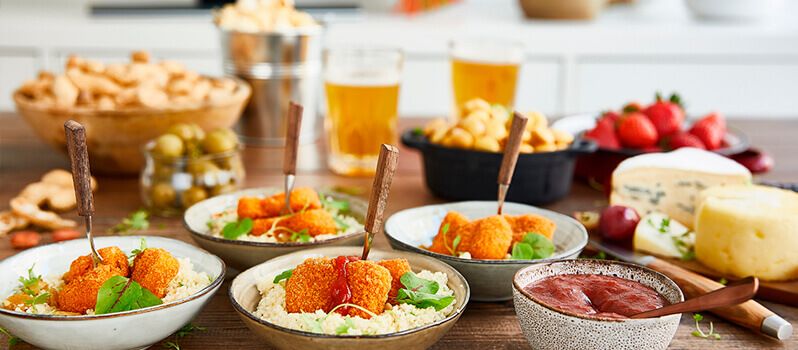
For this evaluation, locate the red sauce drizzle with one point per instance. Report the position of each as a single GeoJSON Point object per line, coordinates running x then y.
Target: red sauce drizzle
{"type": "Point", "coordinates": [341, 294]}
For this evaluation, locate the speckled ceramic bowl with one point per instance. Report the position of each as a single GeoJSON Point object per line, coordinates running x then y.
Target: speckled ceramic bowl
{"type": "Point", "coordinates": [136, 329]}
{"type": "Point", "coordinates": [490, 280]}
{"type": "Point", "coordinates": [245, 297]}
{"type": "Point", "coordinates": [242, 255]}
{"type": "Point", "coordinates": [547, 328]}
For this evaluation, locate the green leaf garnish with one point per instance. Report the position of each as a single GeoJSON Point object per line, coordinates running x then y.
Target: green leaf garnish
{"type": "Point", "coordinates": [209, 224]}
{"type": "Point", "coordinates": [315, 325]}
{"type": "Point", "coordinates": [418, 131]}
{"type": "Point", "coordinates": [142, 248]}
{"type": "Point", "coordinates": [300, 236]}
{"type": "Point", "coordinates": [189, 330]}
{"type": "Point", "coordinates": [340, 205]}
{"type": "Point", "coordinates": [699, 333]}
{"type": "Point", "coordinates": [283, 275]}
{"type": "Point", "coordinates": [120, 293]}
{"type": "Point", "coordinates": [455, 242]}
{"type": "Point", "coordinates": [340, 223]}
{"type": "Point", "coordinates": [171, 345]}
{"type": "Point", "coordinates": [235, 229]}
{"type": "Point", "coordinates": [343, 328]}
{"type": "Point", "coordinates": [723, 281]}
{"type": "Point", "coordinates": [532, 246]}
{"type": "Point", "coordinates": [32, 279]}
{"type": "Point", "coordinates": [12, 340]}
{"type": "Point", "coordinates": [39, 299]}
{"type": "Point", "coordinates": [137, 220]}
{"type": "Point", "coordinates": [350, 190]}
{"type": "Point", "coordinates": [412, 282]}
{"type": "Point", "coordinates": [421, 293]}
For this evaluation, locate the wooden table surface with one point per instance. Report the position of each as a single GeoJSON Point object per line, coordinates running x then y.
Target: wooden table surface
{"type": "Point", "coordinates": [24, 158]}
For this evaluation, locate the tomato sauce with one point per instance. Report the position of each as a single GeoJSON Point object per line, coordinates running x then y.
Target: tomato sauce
{"type": "Point", "coordinates": [595, 295]}
{"type": "Point", "coordinates": [341, 294]}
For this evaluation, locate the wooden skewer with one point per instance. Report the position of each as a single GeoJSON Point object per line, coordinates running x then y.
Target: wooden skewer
{"type": "Point", "coordinates": [383, 176]}
{"type": "Point", "coordinates": [517, 129]}
{"type": "Point", "coordinates": [733, 294]}
{"type": "Point", "coordinates": [81, 177]}
{"type": "Point", "coordinates": [294, 122]}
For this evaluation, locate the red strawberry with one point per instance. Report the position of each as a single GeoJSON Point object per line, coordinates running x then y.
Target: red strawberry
{"type": "Point", "coordinates": [632, 107]}
{"type": "Point", "coordinates": [710, 130]}
{"type": "Point", "coordinates": [715, 118]}
{"type": "Point", "coordinates": [652, 149]}
{"type": "Point", "coordinates": [637, 131]}
{"type": "Point", "coordinates": [604, 134]}
{"type": "Point", "coordinates": [667, 117]}
{"type": "Point", "coordinates": [611, 115]}
{"type": "Point", "coordinates": [684, 139]}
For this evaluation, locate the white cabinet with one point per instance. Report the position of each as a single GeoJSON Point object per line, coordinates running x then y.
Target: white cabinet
{"type": "Point", "coordinates": [16, 66]}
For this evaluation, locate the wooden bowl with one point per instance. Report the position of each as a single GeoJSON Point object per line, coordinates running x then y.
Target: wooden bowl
{"type": "Point", "coordinates": [562, 9]}
{"type": "Point", "coordinates": [115, 137]}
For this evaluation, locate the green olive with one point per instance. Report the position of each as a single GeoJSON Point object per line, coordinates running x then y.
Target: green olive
{"type": "Point", "coordinates": [168, 145]}
{"type": "Point", "coordinates": [163, 170]}
{"type": "Point", "coordinates": [163, 195]}
{"type": "Point", "coordinates": [183, 131]}
{"type": "Point", "coordinates": [199, 133]}
{"type": "Point", "coordinates": [199, 167]}
{"type": "Point", "coordinates": [222, 189]}
{"type": "Point", "coordinates": [219, 141]}
{"type": "Point", "coordinates": [193, 195]}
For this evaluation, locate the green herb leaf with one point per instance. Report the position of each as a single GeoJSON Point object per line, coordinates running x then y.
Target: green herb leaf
{"type": "Point", "coordinates": [32, 279]}
{"type": "Point", "coordinates": [284, 275]}
{"type": "Point", "coordinates": [12, 340]}
{"type": "Point", "coordinates": [39, 299]}
{"type": "Point", "coordinates": [423, 300]}
{"type": "Point", "coordinates": [340, 205]}
{"type": "Point", "coordinates": [344, 327]}
{"type": "Point", "coordinates": [699, 333]}
{"type": "Point", "coordinates": [137, 220]}
{"type": "Point", "coordinates": [456, 242]}
{"type": "Point", "coordinates": [300, 236]}
{"type": "Point", "coordinates": [189, 330]}
{"type": "Point", "coordinates": [315, 325]}
{"type": "Point", "coordinates": [209, 224]}
{"type": "Point", "coordinates": [142, 248]}
{"type": "Point", "coordinates": [235, 229]}
{"type": "Point", "coordinates": [350, 190]}
{"type": "Point", "coordinates": [120, 294]}
{"type": "Point", "coordinates": [418, 131]}
{"type": "Point", "coordinates": [340, 223]}
{"type": "Point", "coordinates": [532, 246]}
{"type": "Point", "coordinates": [171, 345]}
{"type": "Point", "coordinates": [412, 282]}
{"type": "Point", "coordinates": [723, 281]}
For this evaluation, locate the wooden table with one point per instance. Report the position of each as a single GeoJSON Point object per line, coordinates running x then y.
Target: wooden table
{"type": "Point", "coordinates": [23, 159]}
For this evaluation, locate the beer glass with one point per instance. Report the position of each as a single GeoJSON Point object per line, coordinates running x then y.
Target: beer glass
{"type": "Point", "coordinates": [486, 69]}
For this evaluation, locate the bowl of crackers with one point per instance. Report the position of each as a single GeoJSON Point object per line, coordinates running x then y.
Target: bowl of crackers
{"type": "Point", "coordinates": [125, 105]}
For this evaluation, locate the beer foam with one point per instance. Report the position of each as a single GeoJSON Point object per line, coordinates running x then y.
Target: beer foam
{"type": "Point", "coordinates": [363, 77]}
{"type": "Point", "coordinates": [487, 52]}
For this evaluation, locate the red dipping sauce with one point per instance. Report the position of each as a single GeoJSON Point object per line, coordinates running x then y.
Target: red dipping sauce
{"type": "Point", "coordinates": [595, 295]}
{"type": "Point", "coordinates": [341, 294]}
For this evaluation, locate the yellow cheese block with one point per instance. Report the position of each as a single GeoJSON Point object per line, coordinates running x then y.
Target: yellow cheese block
{"type": "Point", "coordinates": [748, 230]}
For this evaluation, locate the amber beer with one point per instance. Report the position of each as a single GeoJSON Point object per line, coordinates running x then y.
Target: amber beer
{"type": "Point", "coordinates": [486, 69]}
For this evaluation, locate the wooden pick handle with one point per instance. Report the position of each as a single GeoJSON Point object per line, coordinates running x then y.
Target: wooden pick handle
{"type": "Point", "coordinates": [733, 294]}
{"type": "Point", "coordinates": [517, 129]}
{"type": "Point", "coordinates": [79, 158]}
{"type": "Point", "coordinates": [293, 125]}
{"type": "Point", "coordinates": [749, 314]}
{"type": "Point", "coordinates": [386, 165]}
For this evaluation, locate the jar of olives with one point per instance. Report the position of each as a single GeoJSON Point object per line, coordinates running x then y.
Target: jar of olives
{"type": "Point", "coordinates": [185, 166]}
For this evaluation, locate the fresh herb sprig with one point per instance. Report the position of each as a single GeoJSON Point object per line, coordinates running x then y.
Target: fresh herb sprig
{"type": "Point", "coordinates": [315, 324]}
{"type": "Point", "coordinates": [283, 275]}
{"type": "Point", "coordinates": [340, 223]}
{"type": "Point", "coordinates": [39, 299]}
{"type": "Point", "coordinates": [12, 340]}
{"type": "Point", "coordinates": [532, 246]}
{"type": "Point", "coordinates": [236, 229]}
{"type": "Point", "coordinates": [186, 330]}
{"type": "Point", "coordinates": [120, 294]}
{"type": "Point", "coordinates": [700, 333]}
{"type": "Point", "coordinates": [350, 190]}
{"type": "Point", "coordinates": [137, 220]}
{"type": "Point", "coordinates": [455, 242]}
{"type": "Point", "coordinates": [32, 278]}
{"type": "Point", "coordinates": [340, 205]}
{"type": "Point", "coordinates": [141, 249]}
{"type": "Point", "coordinates": [421, 293]}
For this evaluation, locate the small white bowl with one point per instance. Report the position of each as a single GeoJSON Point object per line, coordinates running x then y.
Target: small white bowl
{"type": "Point", "coordinates": [490, 280]}
{"type": "Point", "coordinates": [547, 328]}
{"type": "Point", "coordinates": [136, 329]}
{"type": "Point", "coordinates": [736, 10]}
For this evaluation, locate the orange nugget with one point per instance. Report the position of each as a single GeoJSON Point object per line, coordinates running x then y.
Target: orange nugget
{"type": "Point", "coordinates": [310, 286]}
{"type": "Point", "coordinates": [303, 197]}
{"type": "Point", "coordinates": [316, 222]}
{"type": "Point", "coordinates": [250, 207]}
{"type": "Point", "coordinates": [440, 244]}
{"type": "Point", "coordinates": [80, 294]}
{"type": "Point", "coordinates": [370, 284]}
{"type": "Point", "coordinates": [112, 256]}
{"type": "Point", "coordinates": [397, 268]}
{"type": "Point", "coordinates": [488, 238]}
{"type": "Point", "coordinates": [523, 224]}
{"type": "Point", "coordinates": [154, 269]}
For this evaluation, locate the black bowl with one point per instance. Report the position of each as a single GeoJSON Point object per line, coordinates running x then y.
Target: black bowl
{"type": "Point", "coordinates": [458, 174]}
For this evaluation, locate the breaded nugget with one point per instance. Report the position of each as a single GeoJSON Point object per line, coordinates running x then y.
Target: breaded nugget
{"type": "Point", "coordinates": [112, 256]}
{"type": "Point", "coordinates": [455, 221]}
{"type": "Point", "coordinates": [488, 238]}
{"type": "Point", "coordinates": [80, 294]}
{"type": "Point", "coordinates": [370, 284]}
{"type": "Point", "coordinates": [316, 221]}
{"type": "Point", "coordinates": [302, 197]}
{"type": "Point", "coordinates": [153, 269]}
{"type": "Point", "coordinates": [523, 224]}
{"type": "Point", "coordinates": [397, 268]}
{"type": "Point", "coordinates": [250, 207]}
{"type": "Point", "coordinates": [310, 286]}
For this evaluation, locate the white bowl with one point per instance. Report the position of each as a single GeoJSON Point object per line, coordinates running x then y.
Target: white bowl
{"type": "Point", "coordinates": [136, 329]}
{"type": "Point", "coordinates": [739, 10]}
{"type": "Point", "coordinates": [490, 280]}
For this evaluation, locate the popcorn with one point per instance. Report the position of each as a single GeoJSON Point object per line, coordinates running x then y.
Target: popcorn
{"type": "Point", "coordinates": [262, 16]}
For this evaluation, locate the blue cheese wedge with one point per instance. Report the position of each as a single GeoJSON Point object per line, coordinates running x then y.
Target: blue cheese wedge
{"type": "Point", "coordinates": [660, 235]}
{"type": "Point", "coordinates": [669, 183]}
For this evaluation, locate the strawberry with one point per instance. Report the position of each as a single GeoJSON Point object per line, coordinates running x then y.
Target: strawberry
{"type": "Point", "coordinates": [637, 131]}
{"type": "Point", "coordinates": [685, 139]}
{"type": "Point", "coordinates": [710, 130]}
{"type": "Point", "coordinates": [604, 134]}
{"type": "Point", "coordinates": [611, 115]}
{"type": "Point", "coordinates": [715, 118]}
{"type": "Point", "coordinates": [632, 107]}
{"type": "Point", "coordinates": [667, 116]}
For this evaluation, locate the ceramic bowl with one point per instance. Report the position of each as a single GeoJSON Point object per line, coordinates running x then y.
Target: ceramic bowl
{"type": "Point", "coordinates": [245, 297]}
{"type": "Point", "coordinates": [547, 328]}
{"type": "Point", "coordinates": [242, 255]}
{"type": "Point", "coordinates": [137, 329]}
{"type": "Point", "coordinates": [490, 280]}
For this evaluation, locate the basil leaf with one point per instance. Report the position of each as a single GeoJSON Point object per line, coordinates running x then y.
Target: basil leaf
{"type": "Point", "coordinates": [423, 300]}
{"type": "Point", "coordinates": [412, 283]}
{"type": "Point", "coordinates": [235, 229]}
{"type": "Point", "coordinates": [532, 246]}
{"type": "Point", "coordinates": [284, 275]}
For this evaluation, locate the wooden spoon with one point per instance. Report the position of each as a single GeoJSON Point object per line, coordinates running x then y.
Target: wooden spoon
{"type": "Point", "coordinates": [383, 176]}
{"type": "Point", "coordinates": [517, 129]}
{"type": "Point", "coordinates": [294, 122]}
{"type": "Point", "coordinates": [81, 177]}
{"type": "Point", "coordinates": [733, 294]}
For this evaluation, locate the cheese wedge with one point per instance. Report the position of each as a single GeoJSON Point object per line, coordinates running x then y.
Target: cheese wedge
{"type": "Point", "coordinates": [669, 183]}
{"type": "Point", "coordinates": [748, 231]}
{"type": "Point", "coordinates": [660, 235]}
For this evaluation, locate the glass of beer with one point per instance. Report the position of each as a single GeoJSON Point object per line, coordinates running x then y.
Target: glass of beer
{"type": "Point", "coordinates": [486, 69]}
{"type": "Point", "coordinates": [362, 90]}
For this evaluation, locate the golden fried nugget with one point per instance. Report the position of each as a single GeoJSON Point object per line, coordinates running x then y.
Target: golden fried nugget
{"type": "Point", "coordinates": [316, 222]}
{"type": "Point", "coordinates": [310, 286]}
{"type": "Point", "coordinates": [154, 269]}
{"type": "Point", "coordinates": [397, 268]}
{"type": "Point", "coordinates": [523, 224]}
{"type": "Point", "coordinates": [488, 238]}
{"type": "Point", "coordinates": [250, 207]}
{"type": "Point", "coordinates": [455, 221]}
{"type": "Point", "coordinates": [80, 294]}
{"type": "Point", "coordinates": [302, 197]}
{"type": "Point", "coordinates": [112, 256]}
{"type": "Point", "coordinates": [370, 284]}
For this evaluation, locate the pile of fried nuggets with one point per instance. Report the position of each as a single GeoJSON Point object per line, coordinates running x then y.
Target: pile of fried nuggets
{"type": "Point", "coordinates": [308, 214]}
{"type": "Point", "coordinates": [489, 238]}
{"type": "Point", "coordinates": [372, 285]}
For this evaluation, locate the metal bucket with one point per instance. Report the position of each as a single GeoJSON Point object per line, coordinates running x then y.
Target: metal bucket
{"type": "Point", "coordinates": [281, 67]}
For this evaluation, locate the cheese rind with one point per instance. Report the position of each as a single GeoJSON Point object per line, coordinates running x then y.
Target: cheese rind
{"type": "Point", "coordinates": [669, 183]}
{"type": "Point", "coordinates": [748, 231]}
{"type": "Point", "coordinates": [658, 234]}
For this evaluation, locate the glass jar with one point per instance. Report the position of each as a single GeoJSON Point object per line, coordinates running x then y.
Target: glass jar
{"type": "Point", "coordinates": [169, 185]}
